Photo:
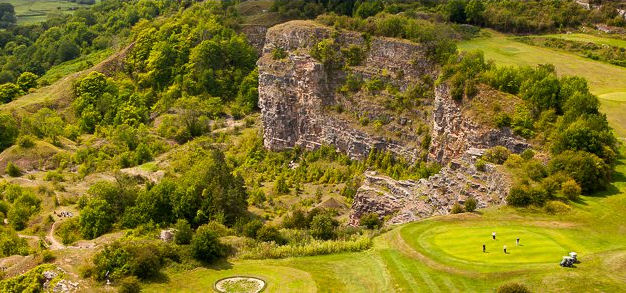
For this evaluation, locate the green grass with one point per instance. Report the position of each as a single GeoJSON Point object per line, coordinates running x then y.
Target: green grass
{"type": "Point", "coordinates": [605, 80]}
{"type": "Point", "coordinates": [34, 11]}
{"type": "Point", "coordinates": [81, 63]}
{"type": "Point", "coordinates": [590, 38]}
{"type": "Point", "coordinates": [444, 254]}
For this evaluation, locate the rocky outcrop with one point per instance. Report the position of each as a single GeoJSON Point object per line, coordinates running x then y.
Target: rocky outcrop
{"type": "Point", "coordinates": [296, 93]}
{"type": "Point", "coordinates": [407, 200]}
{"type": "Point", "coordinates": [255, 35]}
{"type": "Point", "coordinates": [454, 133]}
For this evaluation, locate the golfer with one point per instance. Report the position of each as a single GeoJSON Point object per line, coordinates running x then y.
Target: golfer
{"type": "Point", "coordinates": [493, 235]}
{"type": "Point", "coordinates": [484, 248]}
{"type": "Point", "coordinates": [505, 249]}
{"type": "Point", "coordinates": [517, 241]}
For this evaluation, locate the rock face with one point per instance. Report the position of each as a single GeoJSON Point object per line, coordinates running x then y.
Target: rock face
{"type": "Point", "coordinates": [297, 95]}
{"type": "Point", "coordinates": [453, 133]}
{"type": "Point", "coordinates": [407, 200]}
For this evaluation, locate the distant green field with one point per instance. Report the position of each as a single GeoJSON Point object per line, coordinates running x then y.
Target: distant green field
{"type": "Point", "coordinates": [606, 80]}
{"type": "Point", "coordinates": [590, 38]}
{"type": "Point", "coordinates": [34, 11]}
{"type": "Point", "coordinates": [444, 254]}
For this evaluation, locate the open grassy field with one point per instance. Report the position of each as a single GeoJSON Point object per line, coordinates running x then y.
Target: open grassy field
{"type": "Point", "coordinates": [34, 11]}
{"type": "Point", "coordinates": [444, 254]}
{"type": "Point", "coordinates": [600, 40]}
{"type": "Point", "coordinates": [606, 80]}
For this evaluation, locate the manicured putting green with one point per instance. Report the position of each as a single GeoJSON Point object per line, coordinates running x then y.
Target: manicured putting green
{"type": "Point", "coordinates": [465, 243]}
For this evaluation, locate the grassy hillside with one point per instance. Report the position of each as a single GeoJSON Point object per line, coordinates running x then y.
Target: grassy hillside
{"type": "Point", "coordinates": [606, 80]}
{"type": "Point", "coordinates": [444, 254]}
{"type": "Point", "coordinates": [34, 11]}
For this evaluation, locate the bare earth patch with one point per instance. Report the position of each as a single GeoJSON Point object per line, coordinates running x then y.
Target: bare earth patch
{"type": "Point", "coordinates": [240, 284]}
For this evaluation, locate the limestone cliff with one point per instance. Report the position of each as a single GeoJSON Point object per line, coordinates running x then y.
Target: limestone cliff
{"type": "Point", "coordinates": [296, 93]}
{"type": "Point", "coordinates": [304, 102]}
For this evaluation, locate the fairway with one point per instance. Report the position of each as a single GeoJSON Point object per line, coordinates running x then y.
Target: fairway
{"type": "Point", "coordinates": [605, 80]}
{"type": "Point", "coordinates": [34, 11]}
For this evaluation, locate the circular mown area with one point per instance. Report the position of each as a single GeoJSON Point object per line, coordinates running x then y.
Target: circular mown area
{"type": "Point", "coordinates": [240, 284]}
{"type": "Point", "coordinates": [464, 243]}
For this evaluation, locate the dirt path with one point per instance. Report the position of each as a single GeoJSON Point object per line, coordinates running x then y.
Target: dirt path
{"type": "Point", "coordinates": [54, 243]}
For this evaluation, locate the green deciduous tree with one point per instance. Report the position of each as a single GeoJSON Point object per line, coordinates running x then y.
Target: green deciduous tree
{"type": "Point", "coordinates": [206, 246]}
{"type": "Point", "coordinates": [8, 131]}
{"type": "Point", "coordinates": [96, 218]}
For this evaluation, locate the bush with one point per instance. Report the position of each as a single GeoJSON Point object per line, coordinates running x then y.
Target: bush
{"type": "Point", "coordinates": [557, 207]}
{"type": "Point", "coordinates": [497, 155]}
{"type": "Point", "coordinates": [323, 226]}
{"type": "Point", "coordinates": [470, 204]}
{"type": "Point", "coordinates": [527, 154]}
{"type": "Point", "coordinates": [251, 228]}
{"type": "Point", "coordinates": [129, 285]}
{"type": "Point", "coordinates": [96, 218]}
{"type": "Point", "coordinates": [371, 221]}
{"type": "Point", "coordinates": [13, 170]}
{"type": "Point", "coordinates": [183, 232]}
{"type": "Point", "coordinates": [47, 256]}
{"type": "Point", "coordinates": [205, 245]}
{"type": "Point", "coordinates": [571, 190]}
{"type": "Point", "coordinates": [26, 141]}
{"type": "Point", "coordinates": [481, 165]}
{"type": "Point", "coordinates": [512, 288]}
{"type": "Point", "coordinates": [279, 53]}
{"type": "Point", "coordinates": [270, 234]}
{"type": "Point", "coordinates": [297, 220]}
{"type": "Point", "coordinates": [535, 170]}
{"type": "Point", "coordinates": [457, 209]}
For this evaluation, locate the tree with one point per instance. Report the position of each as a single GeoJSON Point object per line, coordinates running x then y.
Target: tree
{"type": "Point", "coordinates": [248, 95]}
{"type": "Point", "coordinates": [27, 80]}
{"type": "Point", "coordinates": [474, 12]}
{"type": "Point", "coordinates": [323, 226]}
{"type": "Point", "coordinates": [183, 232]}
{"type": "Point", "coordinates": [251, 228]}
{"type": "Point", "coordinates": [9, 91]}
{"type": "Point", "coordinates": [7, 15]}
{"type": "Point", "coordinates": [588, 170]}
{"type": "Point", "coordinates": [369, 8]}
{"type": "Point", "coordinates": [96, 218]}
{"type": "Point", "coordinates": [280, 186]}
{"type": "Point", "coordinates": [205, 245]}
{"type": "Point", "coordinates": [455, 11]}
{"type": "Point", "coordinates": [193, 108]}
{"type": "Point", "coordinates": [8, 131]}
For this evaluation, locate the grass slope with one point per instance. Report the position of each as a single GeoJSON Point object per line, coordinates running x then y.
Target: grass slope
{"type": "Point", "coordinates": [606, 80]}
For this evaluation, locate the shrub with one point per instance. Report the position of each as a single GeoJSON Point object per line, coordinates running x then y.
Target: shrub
{"type": "Point", "coordinates": [183, 232]}
{"type": "Point", "coordinates": [280, 186]}
{"type": "Point", "coordinates": [497, 155]}
{"type": "Point", "coordinates": [279, 53]}
{"type": "Point", "coordinates": [69, 231]}
{"type": "Point", "coordinates": [205, 245]}
{"type": "Point", "coordinates": [557, 207]}
{"type": "Point", "coordinates": [470, 204]}
{"type": "Point", "coordinates": [270, 234]}
{"type": "Point", "coordinates": [535, 170]}
{"type": "Point", "coordinates": [457, 209]}
{"type": "Point", "coordinates": [371, 221]}
{"type": "Point", "coordinates": [47, 256]}
{"type": "Point", "coordinates": [514, 161]}
{"type": "Point", "coordinates": [96, 218]}
{"type": "Point", "coordinates": [481, 165]}
{"type": "Point", "coordinates": [129, 285]}
{"type": "Point", "coordinates": [512, 288]}
{"type": "Point", "coordinates": [26, 141]}
{"type": "Point", "coordinates": [251, 228]}
{"type": "Point", "coordinates": [13, 170]}
{"type": "Point", "coordinates": [323, 226]}
{"type": "Point", "coordinates": [571, 190]}
{"type": "Point", "coordinates": [527, 154]}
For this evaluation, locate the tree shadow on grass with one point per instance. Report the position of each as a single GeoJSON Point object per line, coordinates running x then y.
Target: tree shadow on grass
{"type": "Point", "coordinates": [219, 265]}
{"type": "Point", "coordinates": [159, 278]}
